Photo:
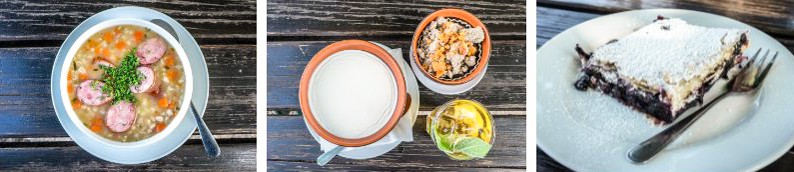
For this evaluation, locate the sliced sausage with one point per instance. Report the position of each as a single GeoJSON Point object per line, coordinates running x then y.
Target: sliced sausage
{"type": "Point", "coordinates": [151, 50]}
{"type": "Point", "coordinates": [97, 71]}
{"type": "Point", "coordinates": [120, 117]}
{"type": "Point", "coordinates": [148, 81]}
{"type": "Point", "coordinates": [90, 93]}
{"type": "Point", "coordinates": [100, 62]}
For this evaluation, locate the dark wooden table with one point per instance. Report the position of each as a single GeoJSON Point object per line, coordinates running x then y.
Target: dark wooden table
{"type": "Point", "coordinates": [32, 139]}
{"type": "Point", "coordinates": [771, 16]}
{"type": "Point", "coordinates": [298, 29]}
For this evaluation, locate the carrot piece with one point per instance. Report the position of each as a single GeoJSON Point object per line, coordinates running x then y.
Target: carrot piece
{"type": "Point", "coordinates": [69, 76]}
{"type": "Point", "coordinates": [138, 36]}
{"type": "Point", "coordinates": [168, 59]}
{"type": "Point", "coordinates": [172, 106]}
{"type": "Point", "coordinates": [163, 103]}
{"type": "Point", "coordinates": [96, 128]}
{"type": "Point", "coordinates": [172, 75]}
{"type": "Point", "coordinates": [121, 45]}
{"type": "Point", "coordinates": [69, 87]}
{"type": "Point", "coordinates": [96, 125]}
{"type": "Point", "coordinates": [82, 76]}
{"type": "Point", "coordinates": [105, 53]}
{"type": "Point", "coordinates": [90, 43]}
{"type": "Point", "coordinates": [76, 104]}
{"type": "Point", "coordinates": [108, 36]}
{"type": "Point", "coordinates": [159, 127]}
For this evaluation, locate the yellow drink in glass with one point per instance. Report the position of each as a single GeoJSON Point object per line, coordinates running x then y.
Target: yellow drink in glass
{"type": "Point", "coordinates": [455, 125]}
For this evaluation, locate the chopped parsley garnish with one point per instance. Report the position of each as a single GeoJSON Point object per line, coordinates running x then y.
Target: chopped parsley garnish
{"type": "Point", "coordinates": [119, 79]}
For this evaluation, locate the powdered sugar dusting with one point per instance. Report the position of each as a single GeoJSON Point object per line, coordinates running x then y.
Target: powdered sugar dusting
{"type": "Point", "coordinates": [670, 49]}
{"type": "Point", "coordinates": [608, 116]}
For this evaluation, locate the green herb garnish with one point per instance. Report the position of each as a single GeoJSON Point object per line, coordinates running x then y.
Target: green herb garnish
{"type": "Point", "coordinates": [119, 79]}
{"type": "Point", "coordinates": [471, 146]}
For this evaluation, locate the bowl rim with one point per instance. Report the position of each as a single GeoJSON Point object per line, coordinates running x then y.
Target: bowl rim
{"type": "Point", "coordinates": [178, 49]}
{"type": "Point", "coordinates": [468, 18]}
{"type": "Point", "coordinates": [378, 52]}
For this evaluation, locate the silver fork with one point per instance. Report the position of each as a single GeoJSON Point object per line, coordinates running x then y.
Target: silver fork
{"type": "Point", "coordinates": [747, 81]}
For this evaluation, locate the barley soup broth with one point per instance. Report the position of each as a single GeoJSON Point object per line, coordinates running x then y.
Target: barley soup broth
{"type": "Point", "coordinates": [108, 61]}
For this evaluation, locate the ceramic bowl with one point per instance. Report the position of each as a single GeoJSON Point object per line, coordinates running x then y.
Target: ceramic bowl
{"type": "Point", "coordinates": [471, 20]}
{"type": "Point", "coordinates": [352, 93]}
{"type": "Point", "coordinates": [186, 98]}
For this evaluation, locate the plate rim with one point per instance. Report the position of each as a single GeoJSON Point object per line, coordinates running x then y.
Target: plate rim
{"type": "Point", "coordinates": [186, 41]}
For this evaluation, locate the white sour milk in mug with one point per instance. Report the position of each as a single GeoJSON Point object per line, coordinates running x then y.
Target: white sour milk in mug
{"type": "Point", "coordinates": [352, 94]}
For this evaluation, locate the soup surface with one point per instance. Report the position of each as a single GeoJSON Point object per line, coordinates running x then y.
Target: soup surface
{"type": "Point", "coordinates": [126, 83]}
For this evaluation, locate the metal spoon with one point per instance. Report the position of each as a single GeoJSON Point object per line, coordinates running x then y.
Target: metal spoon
{"type": "Point", "coordinates": [327, 156]}
{"type": "Point", "coordinates": [210, 145]}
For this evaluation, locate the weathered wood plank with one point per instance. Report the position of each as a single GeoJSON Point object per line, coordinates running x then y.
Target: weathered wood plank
{"type": "Point", "coordinates": [26, 105]}
{"type": "Point", "coordinates": [191, 157]}
{"type": "Point", "coordinates": [506, 76]}
{"type": "Point", "coordinates": [208, 21]}
{"type": "Point", "coordinates": [546, 163]}
{"type": "Point", "coordinates": [291, 147]}
{"type": "Point", "coordinates": [311, 166]}
{"type": "Point", "coordinates": [782, 164]}
{"type": "Point", "coordinates": [771, 16]}
{"type": "Point", "coordinates": [356, 19]}
{"type": "Point", "coordinates": [552, 21]}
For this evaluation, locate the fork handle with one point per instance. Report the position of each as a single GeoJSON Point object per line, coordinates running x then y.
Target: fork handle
{"type": "Point", "coordinates": [652, 146]}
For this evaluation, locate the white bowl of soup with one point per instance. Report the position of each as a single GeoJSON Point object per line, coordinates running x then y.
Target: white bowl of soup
{"type": "Point", "coordinates": [127, 82]}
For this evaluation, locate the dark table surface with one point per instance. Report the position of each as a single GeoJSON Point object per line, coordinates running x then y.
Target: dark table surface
{"type": "Point", "coordinates": [298, 29]}
{"type": "Point", "coordinates": [32, 139]}
{"type": "Point", "coordinates": [771, 16]}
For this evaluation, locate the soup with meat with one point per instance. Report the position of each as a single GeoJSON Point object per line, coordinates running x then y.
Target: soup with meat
{"type": "Point", "coordinates": [125, 83]}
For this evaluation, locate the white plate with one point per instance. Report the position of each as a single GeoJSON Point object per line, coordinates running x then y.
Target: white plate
{"type": "Point", "coordinates": [144, 153]}
{"type": "Point", "coordinates": [590, 131]}
{"type": "Point", "coordinates": [385, 144]}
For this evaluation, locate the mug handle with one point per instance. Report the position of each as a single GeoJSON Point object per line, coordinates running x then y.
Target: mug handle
{"type": "Point", "coordinates": [407, 104]}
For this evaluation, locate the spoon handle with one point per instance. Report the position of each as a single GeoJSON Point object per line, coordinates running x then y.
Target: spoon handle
{"type": "Point", "coordinates": [210, 145]}
{"type": "Point", "coordinates": [327, 156]}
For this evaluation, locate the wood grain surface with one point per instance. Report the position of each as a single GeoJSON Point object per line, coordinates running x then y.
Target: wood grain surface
{"type": "Point", "coordinates": [318, 20]}
{"type": "Point", "coordinates": [291, 147]}
{"type": "Point", "coordinates": [32, 139]}
{"type": "Point", "coordinates": [52, 21]}
{"type": "Point", "coordinates": [235, 157]}
{"type": "Point", "coordinates": [772, 17]}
